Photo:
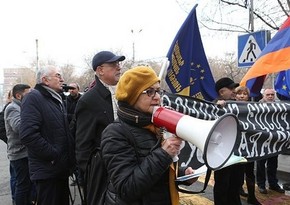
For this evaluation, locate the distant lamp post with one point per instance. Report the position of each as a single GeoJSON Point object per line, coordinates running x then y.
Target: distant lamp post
{"type": "Point", "coordinates": [133, 43]}
{"type": "Point", "coordinates": [37, 59]}
{"type": "Point", "coordinates": [251, 16]}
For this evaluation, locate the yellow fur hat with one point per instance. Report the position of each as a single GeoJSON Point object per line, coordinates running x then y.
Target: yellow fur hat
{"type": "Point", "coordinates": [133, 82]}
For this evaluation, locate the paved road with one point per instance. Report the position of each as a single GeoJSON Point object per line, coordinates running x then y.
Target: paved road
{"type": "Point", "coordinates": [5, 195]}
{"type": "Point", "coordinates": [198, 199]}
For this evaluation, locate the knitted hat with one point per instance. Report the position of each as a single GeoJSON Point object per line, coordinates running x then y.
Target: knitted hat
{"type": "Point", "coordinates": [133, 82]}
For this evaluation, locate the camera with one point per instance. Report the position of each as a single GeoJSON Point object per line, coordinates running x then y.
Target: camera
{"type": "Point", "coordinates": [66, 87]}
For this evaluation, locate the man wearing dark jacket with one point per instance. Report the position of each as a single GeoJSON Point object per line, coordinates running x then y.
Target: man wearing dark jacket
{"type": "Point", "coordinates": [95, 110]}
{"type": "Point", "coordinates": [270, 164]}
{"type": "Point", "coordinates": [227, 180]}
{"type": "Point", "coordinates": [72, 100]}
{"type": "Point", "coordinates": [45, 132]}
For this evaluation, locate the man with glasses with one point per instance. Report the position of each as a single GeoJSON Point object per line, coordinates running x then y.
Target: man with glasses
{"type": "Point", "coordinates": [96, 109]}
{"type": "Point", "coordinates": [272, 162]}
{"type": "Point", "coordinates": [44, 131]}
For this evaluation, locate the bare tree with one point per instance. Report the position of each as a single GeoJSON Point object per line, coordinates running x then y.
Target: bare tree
{"type": "Point", "coordinates": [234, 15]}
{"type": "Point", "coordinates": [226, 66]}
{"type": "Point", "coordinates": [225, 17]}
{"type": "Point", "coordinates": [85, 79]}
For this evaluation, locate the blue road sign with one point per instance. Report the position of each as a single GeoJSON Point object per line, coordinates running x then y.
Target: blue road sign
{"type": "Point", "coordinates": [250, 47]}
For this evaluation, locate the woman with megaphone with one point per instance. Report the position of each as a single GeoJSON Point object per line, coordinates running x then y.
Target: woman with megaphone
{"type": "Point", "coordinates": [139, 161]}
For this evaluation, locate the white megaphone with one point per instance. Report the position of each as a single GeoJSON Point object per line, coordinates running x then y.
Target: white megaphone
{"type": "Point", "coordinates": [215, 138]}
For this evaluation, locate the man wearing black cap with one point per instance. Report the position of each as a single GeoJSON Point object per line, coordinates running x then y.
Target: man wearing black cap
{"type": "Point", "coordinates": [227, 180]}
{"type": "Point", "coordinates": [95, 110]}
{"type": "Point", "coordinates": [225, 88]}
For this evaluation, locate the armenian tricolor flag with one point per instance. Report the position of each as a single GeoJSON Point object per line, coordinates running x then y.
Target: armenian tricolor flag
{"type": "Point", "coordinates": [274, 58]}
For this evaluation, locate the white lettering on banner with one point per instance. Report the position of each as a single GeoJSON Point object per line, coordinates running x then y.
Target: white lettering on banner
{"type": "Point", "coordinates": [264, 127]}
{"type": "Point", "coordinates": [264, 118]}
{"type": "Point", "coordinates": [193, 149]}
{"type": "Point", "coordinates": [244, 145]}
{"type": "Point", "coordinates": [259, 116]}
{"type": "Point", "coordinates": [196, 109]}
{"type": "Point", "coordinates": [253, 150]}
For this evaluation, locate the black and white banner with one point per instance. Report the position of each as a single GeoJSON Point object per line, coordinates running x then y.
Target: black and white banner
{"type": "Point", "coordinates": [264, 128]}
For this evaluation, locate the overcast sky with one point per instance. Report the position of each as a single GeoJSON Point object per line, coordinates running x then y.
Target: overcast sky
{"type": "Point", "coordinates": [70, 30]}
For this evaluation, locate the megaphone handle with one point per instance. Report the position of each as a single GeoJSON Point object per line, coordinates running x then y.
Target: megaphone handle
{"type": "Point", "coordinates": [166, 135]}
{"type": "Point", "coordinates": [175, 158]}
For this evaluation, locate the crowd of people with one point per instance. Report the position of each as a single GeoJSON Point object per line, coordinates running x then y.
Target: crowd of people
{"type": "Point", "coordinates": [52, 136]}
{"type": "Point", "coordinates": [229, 181]}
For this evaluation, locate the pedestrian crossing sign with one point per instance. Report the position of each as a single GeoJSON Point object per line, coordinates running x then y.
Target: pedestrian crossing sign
{"type": "Point", "coordinates": [250, 47]}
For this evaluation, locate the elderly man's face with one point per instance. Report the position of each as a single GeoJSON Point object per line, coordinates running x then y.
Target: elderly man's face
{"type": "Point", "coordinates": [269, 95]}
{"type": "Point", "coordinates": [54, 80]}
{"type": "Point", "coordinates": [109, 72]}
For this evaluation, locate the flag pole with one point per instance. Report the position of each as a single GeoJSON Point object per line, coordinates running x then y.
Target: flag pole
{"type": "Point", "coordinates": [164, 67]}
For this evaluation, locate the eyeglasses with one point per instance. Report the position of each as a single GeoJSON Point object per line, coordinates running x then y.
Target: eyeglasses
{"type": "Point", "coordinates": [151, 92]}
{"type": "Point", "coordinates": [57, 75]}
{"type": "Point", "coordinates": [272, 94]}
{"type": "Point", "coordinates": [113, 65]}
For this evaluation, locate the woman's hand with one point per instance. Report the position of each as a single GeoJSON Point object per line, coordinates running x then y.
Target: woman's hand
{"type": "Point", "coordinates": [172, 145]}
{"type": "Point", "coordinates": [188, 171]}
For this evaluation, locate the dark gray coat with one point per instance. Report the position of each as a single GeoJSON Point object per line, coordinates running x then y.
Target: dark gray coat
{"type": "Point", "coordinates": [15, 149]}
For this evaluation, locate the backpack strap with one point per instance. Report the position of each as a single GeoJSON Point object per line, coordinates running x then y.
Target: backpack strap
{"type": "Point", "coordinates": [3, 135]}
{"type": "Point", "coordinates": [86, 172]}
{"type": "Point", "coordinates": [130, 137]}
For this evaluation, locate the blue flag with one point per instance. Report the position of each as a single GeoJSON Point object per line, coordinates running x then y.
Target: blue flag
{"type": "Point", "coordinates": [255, 85]}
{"type": "Point", "coordinates": [282, 84]}
{"type": "Point", "coordinates": [189, 73]}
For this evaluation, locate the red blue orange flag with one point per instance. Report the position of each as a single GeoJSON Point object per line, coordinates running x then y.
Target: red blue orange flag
{"type": "Point", "coordinates": [274, 57]}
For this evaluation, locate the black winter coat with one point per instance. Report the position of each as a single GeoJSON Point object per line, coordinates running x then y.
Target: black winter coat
{"type": "Point", "coordinates": [141, 178]}
{"type": "Point", "coordinates": [93, 113]}
{"type": "Point", "coordinates": [44, 130]}
{"type": "Point", "coordinates": [71, 104]}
